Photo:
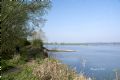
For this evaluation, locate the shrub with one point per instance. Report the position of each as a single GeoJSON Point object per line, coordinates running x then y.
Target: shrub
{"type": "Point", "coordinates": [53, 70]}
{"type": "Point", "coordinates": [37, 43]}
{"type": "Point", "coordinates": [24, 74]}
{"type": "Point", "coordinates": [26, 43]}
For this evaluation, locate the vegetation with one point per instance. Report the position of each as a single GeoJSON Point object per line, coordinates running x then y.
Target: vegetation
{"type": "Point", "coordinates": [16, 17]}
{"type": "Point", "coordinates": [21, 59]}
{"type": "Point", "coordinates": [52, 69]}
{"type": "Point", "coordinates": [15, 26]}
{"type": "Point", "coordinates": [43, 69]}
{"type": "Point", "coordinates": [24, 73]}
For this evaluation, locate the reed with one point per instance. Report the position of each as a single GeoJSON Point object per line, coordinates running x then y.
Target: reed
{"type": "Point", "coordinates": [52, 69]}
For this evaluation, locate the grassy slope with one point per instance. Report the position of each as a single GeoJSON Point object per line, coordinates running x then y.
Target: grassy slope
{"type": "Point", "coordinates": [33, 66]}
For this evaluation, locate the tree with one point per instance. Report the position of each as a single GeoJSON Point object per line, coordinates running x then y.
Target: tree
{"type": "Point", "coordinates": [15, 17]}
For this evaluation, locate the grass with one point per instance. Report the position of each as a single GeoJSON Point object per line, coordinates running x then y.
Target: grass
{"type": "Point", "coordinates": [44, 69]}
{"type": "Point", "coordinates": [52, 69]}
{"type": "Point", "coordinates": [24, 74]}
{"type": "Point", "coordinates": [32, 65]}
{"type": "Point", "coordinates": [21, 70]}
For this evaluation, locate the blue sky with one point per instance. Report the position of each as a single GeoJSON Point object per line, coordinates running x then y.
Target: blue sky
{"type": "Point", "coordinates": [83, 21]}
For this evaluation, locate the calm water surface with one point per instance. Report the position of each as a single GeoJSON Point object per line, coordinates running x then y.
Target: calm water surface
{"type": "Point", "coordinates": [98, 62]}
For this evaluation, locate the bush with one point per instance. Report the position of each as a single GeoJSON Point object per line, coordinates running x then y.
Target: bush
{"type": "Point", "coordinates": [47, 69]}
{"type": "Point", "coordinates": [37, 43]}
{"type": "Point", "coordinates": [11, 63]}
{"type": "Point", "coordinates": [24, 74]}
{"type": "Point", "coordinates": [26, 43]}
{"type": "Point", "coordinates": [53, 70]}
{"type": "Point", "coordinates": [5, 66]}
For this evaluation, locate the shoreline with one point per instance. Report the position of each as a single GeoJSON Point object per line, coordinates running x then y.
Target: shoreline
{"type": "Point", "coordinates": [60, 50]}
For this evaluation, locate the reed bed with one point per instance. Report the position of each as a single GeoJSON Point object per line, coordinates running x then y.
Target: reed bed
{"type": "Point", "coordinates": [52, 69]}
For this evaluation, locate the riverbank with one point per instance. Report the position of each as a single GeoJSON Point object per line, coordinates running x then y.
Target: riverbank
{"type": "Point", "coordinates": [32, 65]}
{"type": "Point", "coordinates": [41, 69]}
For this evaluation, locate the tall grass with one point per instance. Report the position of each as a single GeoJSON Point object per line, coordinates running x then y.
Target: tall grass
{"type": "Point", "coordinates": [25, 73]}
{"type": "Point", "coordinates": [52, 69]}
{"type": "Point", "coordinates": [45, 69]}
{"type": "Point", "coordinates": [39, 68]}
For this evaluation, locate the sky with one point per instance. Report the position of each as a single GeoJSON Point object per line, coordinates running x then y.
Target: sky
{"type": "Point", "coordinates": [81, 21]}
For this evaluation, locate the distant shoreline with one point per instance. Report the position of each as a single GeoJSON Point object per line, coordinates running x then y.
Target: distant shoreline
{"type": "Point", "coordinates": [59, 50]}
{"type": "Point", "coordinates": [113, 43]}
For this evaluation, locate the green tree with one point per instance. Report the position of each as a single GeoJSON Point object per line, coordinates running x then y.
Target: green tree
{"type": "Point", "coordinates": [15, 18]}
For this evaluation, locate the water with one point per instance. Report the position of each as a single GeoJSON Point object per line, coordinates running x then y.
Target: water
{"type": "Point", "coordinates": [98, 62]}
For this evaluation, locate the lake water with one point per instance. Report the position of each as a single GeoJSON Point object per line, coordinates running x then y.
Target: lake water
{"type": "Point", "coordinates": [96, 61]}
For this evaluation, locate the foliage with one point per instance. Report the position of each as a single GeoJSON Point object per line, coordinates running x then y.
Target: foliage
{"type": "Point", "coordinates": [25, 42]}
{"type": "Point", "coordinates": [51, 69]}
{"type": "Point", "coordinates": [8, 64]}
{"type": "Point", "coordinates": [13, 26]}
{"type": "Point", "coordinates": [47, 69]}
{"type": "Point", "coordinates": [37, 43]}
{"type": "Point", "coordinates": [15, 17]}
{"type": "Point", "coordinates": [24, 74]}
{"type": "Point", "coordinates": [25, 56]}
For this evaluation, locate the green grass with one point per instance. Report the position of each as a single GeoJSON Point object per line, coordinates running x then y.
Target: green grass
{"type": "Point", "coordinates": [20, 62]}
{"type": "Point", "coordinates": [42, 69]}
{"type": "Point", "coordinates": [39, 68]}
{"type": "Point", "coordinates": [24, 74]}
